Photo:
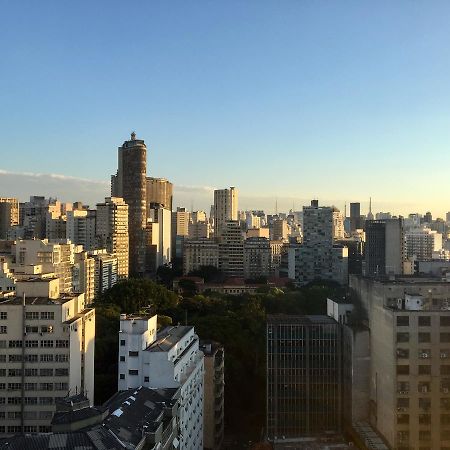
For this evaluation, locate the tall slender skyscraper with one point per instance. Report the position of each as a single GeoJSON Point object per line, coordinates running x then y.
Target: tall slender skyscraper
{"type": "Point", "coordinates": [225, 208]}
{"type": "Point", "coordinates": [130, 184]}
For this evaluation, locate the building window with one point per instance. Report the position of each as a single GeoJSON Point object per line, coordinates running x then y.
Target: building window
{"type": "Point", "coordinates": [424, 419]}
{"type": "Point", "coordinates": [3, 315]}
{"type": "Point", "coordinates": [424, 370]}
{"type": "Point", "coordinates": [14, 386]}
{"type": "Point", "coordinates": [146, 379]}
{"type": "Point", "coordinates": [46, 358]}
{"type": "Point", "coordinates": [403, 419]}
{"type": "Point", "coordinates": [403, 370]}
{"type": "Point", "coordinates": [46, 372]}
{"type": "Point", "coordinates": [425, 353]}
{"type": "Point", "coordinates": [15, 344]}
{"type": "Point", "coordinates": [47, 344]}
{"type": "Point", "coordinates": [31, 344]}
{"type": "Point", "coordinates": [445, 337]}
{"type": "Point", "coordinates": [403, 402]}
{"type": "Point", "coordinates": [133, 353]}
{"type": "Point", "coordinates": [32, 315]}
{"type": "Point", "coordinates": [47, 315]}
{"type": "Point", "coordinates": [424, 404]}
{"type": "Point", "coordinates": [15, 372]}
{"type": "Point", "coordinates": [444, 321]}
{"type": "Point", "coordinates": [402, 337]}
{"type": "Point", "coordinates": [46, 386]}
{"type": "Point", "coordinates": [122, 358]}
{"type": "Point", "coordinates": [402, 321]}
{"type": "Point", "coordinates": [122, 376]}
{"type": "Point", "coordinates": [31, 358]}
{"type": "Point", "coordinates": [30, 329]}
{"type": "Point", "coordinates": [133, 372]}
{"type": "Point", "coordinates": [424, 337]}
{"type": "Point", "coordinates": [62, 344]}
{"type": "Point", "coordinates": [424, 435]}
{"type": "Point", "coordinates": [423, 387]}
{"type": "Point", "coordinates": [63, 358]}
{"type": "Point", "coordinates": [46, 400]}
{"type": "Point", "coordinates": [61, 372]}
{"type": "Point", "coordinates": [445, 370]}
{"type": "Point", "coordinates": [402, 353]}
{"type": "Point", "coordinates": [30, 386]}
{"type": "Point", "coordinates": [61, 386]}
{"type": "Point", "coordinates": [122, 342]}
{"type": "Point", "coordinates": [3, 329]}
{"type": "Point", "coordinates": [445, 419]}
{"type": "Point", "coordinates": [424, 321]}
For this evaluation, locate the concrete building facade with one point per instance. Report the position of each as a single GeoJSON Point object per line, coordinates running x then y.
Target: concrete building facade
{"type": "Point", "coordinates": [225, 208]}
{"type": "Point", "coordinates": [47, 352]}
{"type": "Point", "coordinates": [170, 358]}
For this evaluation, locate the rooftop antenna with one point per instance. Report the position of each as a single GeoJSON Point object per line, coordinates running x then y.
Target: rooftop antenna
{"type": "Point", "coordinates": [276, 206]}
{"type": "Point", "coordinates": [345, 209]}
{"type": "Point", "coordinates": [370, 205]}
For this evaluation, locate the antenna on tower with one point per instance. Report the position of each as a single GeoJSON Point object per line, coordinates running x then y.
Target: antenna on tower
{"type": "Point", "coordinates": [345, 209]}
{"type": "Point", "coordinates": [370, 205]}
{"type": "Point", "coordinates": [276, 206]}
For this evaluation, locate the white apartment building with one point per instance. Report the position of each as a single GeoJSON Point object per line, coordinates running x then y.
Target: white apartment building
{"type": "Point", "coordinates": [80, 228]}
{"type": "Point", "coordinates": [54, 257]}
{"type": "Point", "coordinates": [112, 231]}
{"type": "Point", "coordinates": [169, 358]}
{"type": "Point", "coordinates": [225, 208]}
{"type": "Point", "coordinates": [47, 341]}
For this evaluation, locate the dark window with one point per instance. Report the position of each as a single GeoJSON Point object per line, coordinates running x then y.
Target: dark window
{"type": "Point", "coordinates": [133, 353]}
{"type": "Point", "coordinates": [402, 321]}
{"type": "Point", "coordinates": [424, 337]}
{"type": "Point", "coordinates": [402, 370]}
{"type": "Point", "coordinates": [445, 337]}
{"type": "Point", "coordinates": [402, 337]}
{"type": "Point", "coordinates": [133, 372]}
{"type": "Point", "coordinates": [445, 370]}
{"type": "Point", "coordinates": [122, 376]}
{"type": "Point", "coordinates": [146, 379]}
{"type": "Point", "coordinates": [122, 342]}
{"type": "Point", "coordinates": [424, 370]}
{"type": "Point", "coordinates": [445, 321]}
{"type": "Point", "coordinates": [122, 358]}
{"type": "Point", "coordinates": [424, 321]}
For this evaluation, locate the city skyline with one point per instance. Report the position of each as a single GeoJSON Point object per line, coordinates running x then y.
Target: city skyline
{"type": "Point", "coordinates": [89, 191]}
{"type": "Point", "coordinates": [334, 101]}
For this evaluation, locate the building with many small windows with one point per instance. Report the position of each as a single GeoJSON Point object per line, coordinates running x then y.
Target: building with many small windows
{"type": "Point", "coordinates": [169, 358]}
{"type": "Point", "coordinates": [409, 387]}
{"type": "Point", "coordinates": [304, 377]}
{"type": "Point", "coordinates": [46, 352]}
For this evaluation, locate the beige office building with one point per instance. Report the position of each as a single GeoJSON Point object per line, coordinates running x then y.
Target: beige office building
{"type": "Point", "coordinates": [225, 208]}
{"type": "Point", "coordinates": [47, 351]}
{"type": "Point", "coordinates": [200, 252]}
{"type": "Point", "coordinates": [409, 321]}
{"type": "Point", "coordinates": [112, 231]}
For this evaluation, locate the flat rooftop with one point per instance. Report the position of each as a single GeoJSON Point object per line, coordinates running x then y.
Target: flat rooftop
{"type": "Point", "coordinates": [302, 320]}
{"type": "Point", "coordinates": [168, 338]}
{"type": "Point", "coordinates": [37, 300]}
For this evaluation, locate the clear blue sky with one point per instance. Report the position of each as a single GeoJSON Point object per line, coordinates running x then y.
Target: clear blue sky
{"type": "Point", "coordinates": [291, 98]}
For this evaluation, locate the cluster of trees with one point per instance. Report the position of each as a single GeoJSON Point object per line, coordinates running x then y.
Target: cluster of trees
{"type": "Point", "coordinates": [237, 322]}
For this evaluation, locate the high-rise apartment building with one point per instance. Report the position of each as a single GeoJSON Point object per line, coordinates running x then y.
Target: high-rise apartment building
{"type": "Point", "coordinates": [304, 376]}
{"type": "Point", "coordinates": [9, 215]}
{"type": "Point", "coordinates": [159, 193]}
{"type": "Point", "coordinates": [280, 230]}
{"type": "Point", "coordinates": [130, 183]}
{"type": "Point", "coordinates": [105, 270]}
{"type": "Point", "coordinates": [231, 249]}
{"type": "Point", "coordinates": [420, 243]}
{"type": "Point", "coordinates": [384, 247]}
{"type": "Point", "coordinates": [47, 352]}
{"type": "Point", "coordinates": [409, 387]}
{"type": "Point", "coordinates": [54, 257]}
{"type": "Point", "coordinates": [80, 228]}
{"type": "Point", "coordinates": [112, 232]}
{"type": "Point", "coordinates": [225, 208]}
{"type": "Point", "coordinates": [170, 358]}
{"type": "Point", "coordinates": [318, 258]}
{"type": "Point", "coordinates": [257, 258]}
{"type": "Point", "coordinates": [159, 238]}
